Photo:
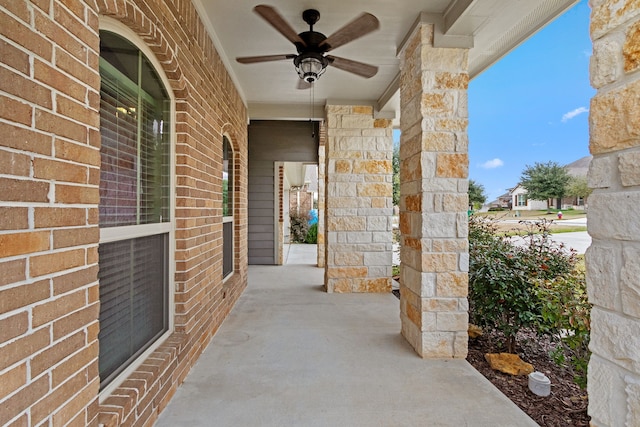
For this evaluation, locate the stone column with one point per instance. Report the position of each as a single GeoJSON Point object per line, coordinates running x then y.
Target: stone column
{"type": "Point", "coordinates": [613, 260]}
{"type": "Point", "coordinates": [433, 204]}
{"type": "Point", "coordinates": [358, 202]}
{"type": "Point", "coordinates": [321, 192]}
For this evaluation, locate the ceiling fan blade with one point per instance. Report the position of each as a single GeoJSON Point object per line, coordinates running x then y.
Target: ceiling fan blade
{"type": "Point", "coordinates": [303, 84]}
{"type": "Point", "coordinates": [276, 20]}
{"type": "Point", "coordinates": [355, 67]}
{"type": "Point", "coordinates": [263, 58]}
{"type": "Point", "coordinates": [357, 28]}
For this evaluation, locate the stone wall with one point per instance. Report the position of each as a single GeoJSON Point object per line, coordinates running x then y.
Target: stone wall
{"type": "Point", "coordinates": [358, 210]}
{"type": "Point", "coordinates": [433, 203]}
{"type": "Point", "coordinates": [613, 268]}
{"type": "Point", "coordinates": [49, 177]}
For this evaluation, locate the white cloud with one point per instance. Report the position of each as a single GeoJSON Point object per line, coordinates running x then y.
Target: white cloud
{"type": "Point", "coordinates": [571, 114]}
{"type": "Point", "coordinates": [492, 164]}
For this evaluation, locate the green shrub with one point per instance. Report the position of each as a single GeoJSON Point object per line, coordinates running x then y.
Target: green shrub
{"type": "Point", "coordinates": [312, 234]}
{"type": "Point", "coordinates": [299, 228]}
{"type": "Point", "coordinates": [502, 276]}
{"type": "Point", "coordinates": [565, 316]}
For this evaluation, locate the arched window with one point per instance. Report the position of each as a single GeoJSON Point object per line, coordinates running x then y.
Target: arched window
{"type": "Point", "coordinates": [135, 206]}
{"type": "Point", "coordinates": [227, 207]}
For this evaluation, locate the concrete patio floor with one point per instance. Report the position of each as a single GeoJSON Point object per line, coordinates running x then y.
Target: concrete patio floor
{"type": "Point", "coordinates": [290, 354]}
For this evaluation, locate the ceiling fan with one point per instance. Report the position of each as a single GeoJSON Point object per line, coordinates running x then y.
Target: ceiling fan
{"type": "Point", "coordinates": [311, 61]}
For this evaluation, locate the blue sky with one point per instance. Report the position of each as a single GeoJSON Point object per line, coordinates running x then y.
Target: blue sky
{"type": "Point", "coordinates": [532, 105]}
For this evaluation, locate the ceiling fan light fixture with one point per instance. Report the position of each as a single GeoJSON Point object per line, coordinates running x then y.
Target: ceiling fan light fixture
{"type": "Point", "coordinates": [310, 66]}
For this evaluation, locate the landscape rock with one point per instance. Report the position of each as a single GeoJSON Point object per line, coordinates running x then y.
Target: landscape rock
{"type": "Point", "coordinates": [508, 363]}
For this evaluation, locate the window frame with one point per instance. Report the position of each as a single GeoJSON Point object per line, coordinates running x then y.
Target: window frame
{"type": "Point", "coordinates": [112, 234]}
{"type": "Point", "coordinates": [229, 218]}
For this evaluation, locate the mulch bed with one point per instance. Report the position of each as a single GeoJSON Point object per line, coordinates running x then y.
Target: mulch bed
{"type": "Point", "coordinates": [567, 404]}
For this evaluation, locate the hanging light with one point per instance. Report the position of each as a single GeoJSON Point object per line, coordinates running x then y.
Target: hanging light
{"type": "Point", "coordinates": [310, 66]}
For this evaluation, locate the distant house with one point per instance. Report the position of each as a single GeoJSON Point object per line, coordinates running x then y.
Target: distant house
{"type": "Point", "coordinates": [520, 201]}
{"type": "Point", "coordinates": [502, 202]}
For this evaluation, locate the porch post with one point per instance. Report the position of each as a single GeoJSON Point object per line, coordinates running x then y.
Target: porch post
{"type": "Point", "coordinates": [358, 202]}
{"type": "Point", "coordinates": [321, 192]}
{"type": "Point", "coordinates": [613, 271]}
{"type": "Point", "coordinates": [433, 205]}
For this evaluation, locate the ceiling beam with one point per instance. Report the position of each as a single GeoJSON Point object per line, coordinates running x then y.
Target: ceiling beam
{"type": "Point", "coordinates": [456, 10]}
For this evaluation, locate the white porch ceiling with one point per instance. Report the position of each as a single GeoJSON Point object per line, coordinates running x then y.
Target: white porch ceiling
{"type": "Point", "coordinates": [491, 28]}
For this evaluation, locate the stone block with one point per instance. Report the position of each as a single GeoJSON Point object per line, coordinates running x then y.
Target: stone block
{"type": "Point", "coordinates": [437, 345]}
{"type": "Point", "coordinates": [372, 167]}
{"type": "Point", "coordinates": [439, 185]}
{"type": "Point", "coordinates": [380, 271]}
{"type": "Point", "coordinates": [348, 258]}
{"type": "Point", "coordinates": [359, 237]}
{"type": "Point", "coordinates": [461, 345]}
{"type": "Point", "coordinates": [455, 202]}
{"type": "Point", "coordinates": [440, 304]}
{"type": "Point", "coordinates": [607, 15]}
{"type": "Point", "coordinates": [374, 189]}
{"type": "Point", "coordinates": [438, 141]}
{"type": "Point", "coordinates": [452, 165]}
{"type": "Point", "coordinates": [633, 400]}
{"type": "Point", "coordinates": [452, 322]}
{"type": "Point", "coordinates": [616, 338]}
{"type": "Point", "coordinates": [629, 168]}
{"type": "Point", "coordinates": [630, 282]}
{"type": "Point", "coordinates": [362, 109]}
{"type": "Point", "coordinates": [379, 223]}
{"type": "Point", "coordinates": [631, 48]}
{"type": "Point", "coordinates": [379, 285]}
{"type": "Point", "coordinates": [615, 119]}
{"type": "Point", "coordinates": [437, 104]}
{"type": "Point", "coordinates": [429, 322]}
{"type": "Point", "coordinates": [357, 122]}
{"type": "Point", "coordinates": [603, 267]}
{"type": "Point", "coordinates": [605, 64]}
{"type": "Point", "coordinates": [602, 172]}
{"type": "Point", "coordinates": [439, 225]}
{"type": "Point", "coordinates": [464, 262]}
{"type": "Point", "coordinates": [607, 399]}
{"type": "Point", "coordinates": [346, 224]}
{"type": "Point", "coordinates": [346, 272]}
{"type": "Point", "coordinates": [451, 125]}
{"type": "Point", "coordinates": [448, 80]}
{"type": "Point", "coordinates": [377, 258]}
{"type": "Point", "coordinates": [605, 220]}
{"type": "Point", "coordinates": [340, 166]}
{"type": "Point", "coordinates": [422, 284]}
{"type": "Point", "coordinates": [439, 262]}
{"type": "Point", "coordinates": [452, 285]}
{"type": "Point", "coordinates": [343, 189]}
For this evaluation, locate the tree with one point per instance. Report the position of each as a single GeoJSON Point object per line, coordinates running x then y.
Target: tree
{"type": "Point", "coordinates": [396, 174]}
{"type": "Point", "coordinates": [544, 181]}
{"type": "Point", "coordinates": [477, 197]}
{"type": "Point", "coordinates": [578, 187]}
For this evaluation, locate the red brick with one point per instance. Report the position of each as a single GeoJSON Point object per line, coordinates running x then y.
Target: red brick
{"type": "Point", "coordinates": [75, 321]}
{"type": "Point", "coordinates": [22, 87]}
{"type": "Point", "coordinates": [14, 57]}
{"type": "Point", "coordinates": [19, 9]}
{"type": "Point", "coordinates": [23, 399]}
{"type": "Point", "coordinates": [55, 309]}
{"type": "Point", "coordinates": [59, 171]}
{"type": "Point", "coordinates": [55, 262]}
{"type": "Point", "coordinates": [44, 5]}
{"type": "Point", "coordinates": [75, 363]}
{"type": "Point", "coordinates": [69, 237]}
{"type": "Point", "coordinates": [23, 348]}
{"type": "Point", "coordinates": [22, 35]}
{"type": "Point", "coordinates": [13, 379]}
{"type": "Point", "coordinates": [23, 243]}
{"type": "Point", "coordinates": [14, 326]}
{"type": "Point", "coordinates": [54, 354]}
{"type": "Point", "coordinates": [22, 190]}
{"type": "Point", "coordinates": [14, 163]}
{"type": "Point", "coordinates": [25, 139]}
{"type": "Point", "coordinates": [78, 153]}
{"type": "Point", "coordinates": [58, 397]}
{"type": "Point", "coordinates": [77, 111]}
{"type": "Point", "coordinates": [77, 279]}
{"type": "Point", "coordinates": [74, 194]}
{"type": "Point", "coordinates": [60, 126]}
{"type": "Point", "coordinates": [60, 217]}
{"type": "Point", "coordinates": [78, 404]}
{"type": "Point", "coordinates": [72, 24]}
{"type": "Point", "coordinates": [12, 272]}
{"type": "Point", "coordinates": [53, 31]}
{"type": "Point", "coordinates": [76, 7]}
{"type": "Point", "coordinates": [15, 111]}
{"type": "Point", "coordinates": [22, 295]}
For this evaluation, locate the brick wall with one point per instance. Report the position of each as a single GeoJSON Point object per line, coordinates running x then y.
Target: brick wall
{"type": "Point", "coordinates": [49, 177]}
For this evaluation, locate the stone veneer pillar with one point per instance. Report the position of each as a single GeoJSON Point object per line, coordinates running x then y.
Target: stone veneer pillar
{"type": "Point", "coordinates": [613, 260]}
{"type": "Point", "coordinates": [358, 203]}
{"type": "Point", "coordinates": [321, 192]}
{"type": "Point", "coordinates": [433, 205]}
